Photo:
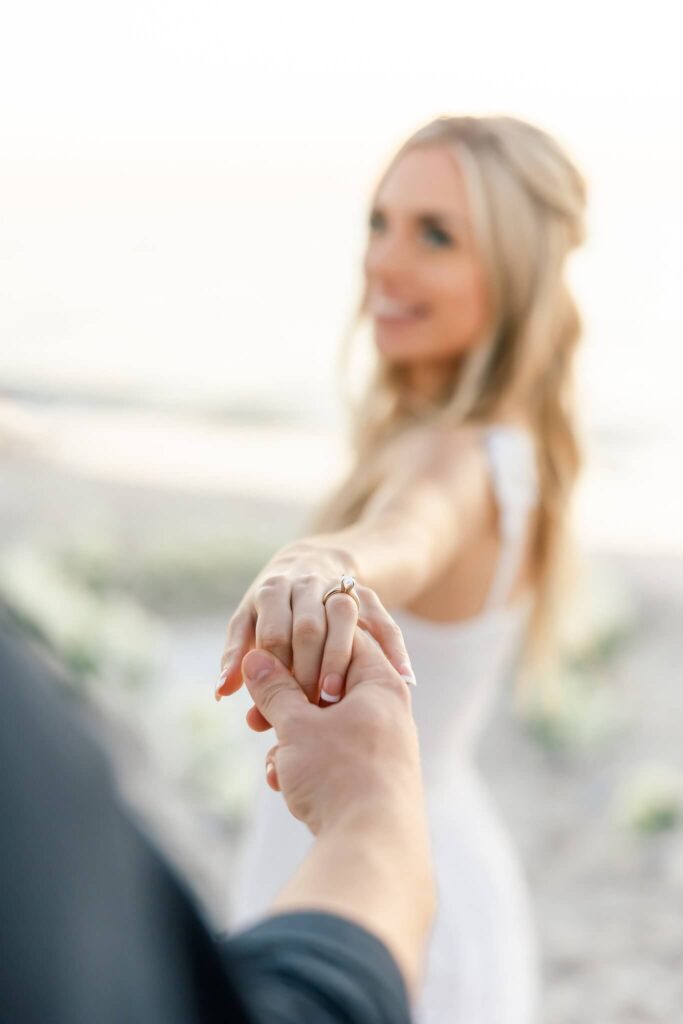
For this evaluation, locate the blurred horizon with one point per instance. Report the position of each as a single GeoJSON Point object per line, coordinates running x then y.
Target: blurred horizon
{"type": "Point", "coordinates": [185, 190]}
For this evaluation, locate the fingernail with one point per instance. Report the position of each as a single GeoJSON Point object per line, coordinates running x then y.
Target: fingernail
{"type": "Point", "coordinates": [221, 683]}
{"type": "Point", "coordinates": [407, 674]}
{"type": "Point", "coordinates": [332, 688]}
{"type": "Point", "coordinates": [271, 775]}
{"type": "Point", "coordinates": [257, 665]}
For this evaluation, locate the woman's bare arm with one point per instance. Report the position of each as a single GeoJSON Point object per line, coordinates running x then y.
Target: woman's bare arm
{"type": "Point", "coordinates": [436, 499]}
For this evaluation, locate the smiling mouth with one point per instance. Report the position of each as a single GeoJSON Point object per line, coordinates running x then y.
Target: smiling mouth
{"type": "Point", "coordinates": [391, 311]}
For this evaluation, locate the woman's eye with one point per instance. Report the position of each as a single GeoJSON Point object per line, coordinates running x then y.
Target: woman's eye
{"type": "Point", "coordinates": [436, 236]}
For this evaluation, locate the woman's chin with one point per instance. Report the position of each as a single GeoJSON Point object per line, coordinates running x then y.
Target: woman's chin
{"type": "Point", "coordinates": [395, 349]}
{"type": "Point", "coordinates": [392, 358]}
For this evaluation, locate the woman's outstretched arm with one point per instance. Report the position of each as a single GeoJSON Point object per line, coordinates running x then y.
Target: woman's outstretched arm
{"type": "Point", "coordinates": [436, 500]}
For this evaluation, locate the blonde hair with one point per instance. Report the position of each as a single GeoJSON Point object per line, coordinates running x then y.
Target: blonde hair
{"type": "Point", "coordinates": [527, 202]}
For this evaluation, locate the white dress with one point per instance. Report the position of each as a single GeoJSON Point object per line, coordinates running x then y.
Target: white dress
{"type": "Point", "coordinates": [481, 965]}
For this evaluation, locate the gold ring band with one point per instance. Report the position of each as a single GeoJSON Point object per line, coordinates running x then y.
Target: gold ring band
{"type": "Point", "coordinates": [345, 586]}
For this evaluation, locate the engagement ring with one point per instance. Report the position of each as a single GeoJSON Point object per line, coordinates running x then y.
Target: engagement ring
{"type": "Point", "coordinates": [346, 586]}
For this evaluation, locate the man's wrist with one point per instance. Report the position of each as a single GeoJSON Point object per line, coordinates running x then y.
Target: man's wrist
{"type": "Point", "coordinates": [372, 866]}
{"type": "Point", "coordinates": [383, 810]}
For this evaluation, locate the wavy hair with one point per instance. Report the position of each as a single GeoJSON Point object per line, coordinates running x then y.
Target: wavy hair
{"type": "Point", "coordinates": [527, 201]}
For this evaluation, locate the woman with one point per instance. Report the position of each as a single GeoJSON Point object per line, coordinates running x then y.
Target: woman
{"type": "Point", "coordinates": [453, 518]}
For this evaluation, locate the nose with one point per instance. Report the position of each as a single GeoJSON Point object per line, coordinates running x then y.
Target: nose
{"type": "Point", "coordinates": [387, 258]}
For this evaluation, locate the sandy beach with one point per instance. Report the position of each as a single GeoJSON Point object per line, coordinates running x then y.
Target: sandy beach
{"type": "Point", "coordinates": [608, 895]}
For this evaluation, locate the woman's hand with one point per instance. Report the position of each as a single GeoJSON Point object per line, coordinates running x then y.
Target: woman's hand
{"type": "Point", "coordinates": [282, 612]}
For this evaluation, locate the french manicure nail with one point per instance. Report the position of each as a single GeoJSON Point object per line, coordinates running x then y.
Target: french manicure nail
{"type": "Point", "coordinates": [406, 673]}
{"type": "Point", "coordinates": [332, 688]}
{"type": "Point", "coordinates": [221, 682]}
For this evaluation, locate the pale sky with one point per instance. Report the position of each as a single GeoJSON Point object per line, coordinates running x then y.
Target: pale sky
{"type": "Point", "coordinates": [184, 185]}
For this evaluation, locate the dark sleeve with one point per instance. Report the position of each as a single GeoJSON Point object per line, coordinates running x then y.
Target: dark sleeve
{"type": "Point", "coordinates": [317, 967]}
{"type": "Point", "coordinates": [96, 927]}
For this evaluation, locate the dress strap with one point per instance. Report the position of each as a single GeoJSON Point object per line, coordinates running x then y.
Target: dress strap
{"type": "Point", "coordinates": [514, 478]}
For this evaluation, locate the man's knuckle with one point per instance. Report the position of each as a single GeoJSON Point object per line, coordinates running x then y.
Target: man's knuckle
{"type": "Point", "coordinates": [267, 703]}
{"type": "Point", "coordinates": [271, 694]}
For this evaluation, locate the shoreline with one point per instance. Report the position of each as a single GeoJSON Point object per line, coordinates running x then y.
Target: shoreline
{"type": "Point", "coordinates": [628, 474]}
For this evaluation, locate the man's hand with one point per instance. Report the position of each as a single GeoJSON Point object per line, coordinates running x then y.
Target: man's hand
{"type": "Point", "coordinates": [359, 752]}
{"type": "Point", "coordinates": [351, 772]}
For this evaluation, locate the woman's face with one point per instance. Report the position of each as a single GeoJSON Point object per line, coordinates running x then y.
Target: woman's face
{"type": "Point", "coordinates": [425, 284]}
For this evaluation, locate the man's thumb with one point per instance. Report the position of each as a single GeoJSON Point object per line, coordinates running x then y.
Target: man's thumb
{"type": "Point", "coordinates": [273, 689]}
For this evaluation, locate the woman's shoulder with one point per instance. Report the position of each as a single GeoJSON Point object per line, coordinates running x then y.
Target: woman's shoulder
{"type": "Point", "coordinates": [495, 453]}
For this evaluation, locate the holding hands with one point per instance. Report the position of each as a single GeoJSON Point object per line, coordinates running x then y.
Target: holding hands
{"type": "Point", "coordinates": [364, 752]}
{"type": "Point", "coordinates": [351, 773]}
{"type": "Point", "coordinates": [302, 609]}
{"type": "Point", "coordinates": [304, 631]}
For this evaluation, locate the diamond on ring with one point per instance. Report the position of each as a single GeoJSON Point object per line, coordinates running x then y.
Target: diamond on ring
{"type": "Point", "coordinates": [347, 586]}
